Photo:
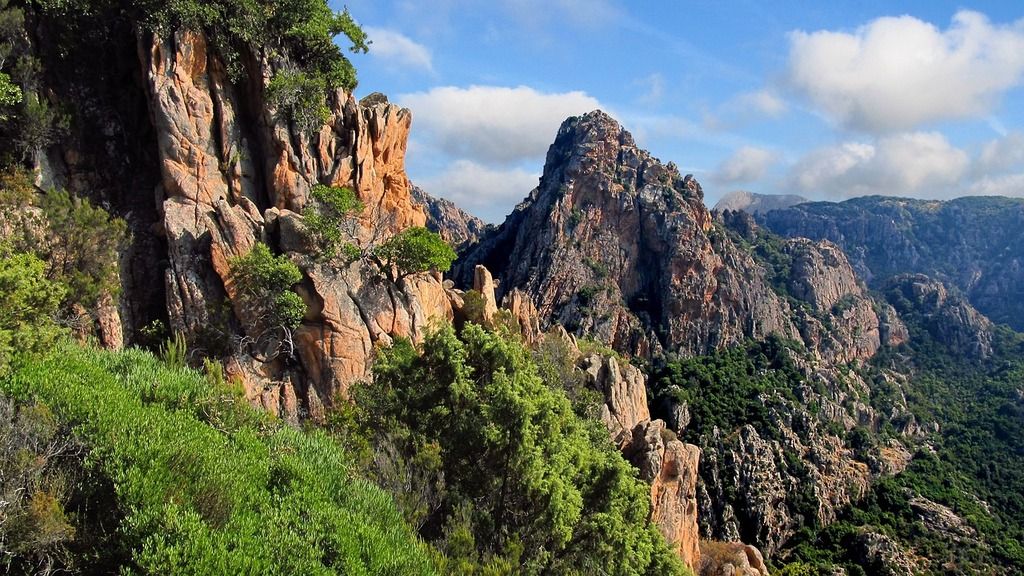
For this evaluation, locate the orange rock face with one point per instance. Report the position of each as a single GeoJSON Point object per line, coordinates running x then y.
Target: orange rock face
{"type": "Point", "coordinates": [230, 180]}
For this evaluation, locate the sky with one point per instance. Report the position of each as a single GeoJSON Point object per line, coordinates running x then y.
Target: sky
{"type": "Point", "coordinates": [829, 100]}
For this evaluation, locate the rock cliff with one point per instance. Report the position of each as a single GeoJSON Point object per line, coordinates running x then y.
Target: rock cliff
{"type": "Point", "coordinates": [227, 184]}
{"type": "Point", "coordinates": [456, 226]}
{"type": "Point", "coordinates": [616, 245]}
{"type": "Point", "coordinates": [215, 168]}
{"type": "Point", "coordinates": [974, 244]}
{"type": "Point", "coordinates": [619, 247]}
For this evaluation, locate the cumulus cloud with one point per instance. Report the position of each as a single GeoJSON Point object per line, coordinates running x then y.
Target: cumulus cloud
{"type": "Point", "coordinates": [916, 164]}
{"type": "Point", "coordinates": [1006, 185]}
{"type": "Point", "coordinates": [745, 165]}
{"type": "Point", "coordinates": [899, 73]}
{"type": "Point", "coordinates": [399, 50]}
{"type": "Point", "coordinates": [493, 124]}
{"type": "Point", "coordinates": [1002, 154]}
{"type": "Point", "coordinates": [486, 192]}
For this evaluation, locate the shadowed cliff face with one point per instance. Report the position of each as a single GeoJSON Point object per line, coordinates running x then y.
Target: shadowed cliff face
{"type": "Point", "coordinates": [974, 244]}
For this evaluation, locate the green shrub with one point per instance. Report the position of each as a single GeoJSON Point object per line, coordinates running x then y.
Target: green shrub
{"type": "Point", "coordinates": [529, 486]}
{"type": "Point", "coordinates": [412, 251]}
{"type": "Point", "coordinates": [263, 283]}
{"type": "Point", "coordinates": [328, 218]}
{"type": "Point", "coordinates": [28, 306]}
{"type": "Point", "coordinates": [206, 484]}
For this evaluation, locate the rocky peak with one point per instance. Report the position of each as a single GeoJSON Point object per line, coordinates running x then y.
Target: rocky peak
{"type": "Point", "coordinates": [947, 316]}
{"type": "Point", "coordinates": [615, 245]}
{"type": "Point", "coordinates": [456, 226]}
{"type": "Point", "coordinates": [619, 246]}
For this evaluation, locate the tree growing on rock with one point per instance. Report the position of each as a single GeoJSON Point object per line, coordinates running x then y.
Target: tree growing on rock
{"type": "Point", "coordinates": [412, 251]}
{"type": "Point", "coordinates": [263, 283]}
{"type": "Point", "coordinates": [330, 223]}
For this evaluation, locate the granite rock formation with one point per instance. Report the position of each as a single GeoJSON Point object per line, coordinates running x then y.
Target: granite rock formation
{"type": "Point", "coordinates": [455, 225]}
{"type": "Point", "coordinates": [973, 244]}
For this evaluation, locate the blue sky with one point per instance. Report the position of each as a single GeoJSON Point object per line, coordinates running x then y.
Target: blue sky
{"type": "Point", "coordinates": [829, 101]}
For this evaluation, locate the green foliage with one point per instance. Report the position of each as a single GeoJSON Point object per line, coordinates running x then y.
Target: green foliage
{"type": "Point", "coordinates": [263, 283]}
{"type": "Point", "coordinates": [528, 486]}
{"type": "Point", "coordinates": [78, 242]}
{"type": "Point", "coordinates": [975, 466]}
{"type": "Point", "coordinates": [297, 36]}
{"type": "Point", "coordinates": [28, 306]}
{"type": "Point", "coordinates": [412, 251]}
{"type": "Point", "coordinates": [205, 485]}
{"type": "Point", "coordinates": [301, 96]}
{"type": "Point", "coordinates": [174, 351]}
{"type": "Point", "coordinates": [10, 93]}
{"type": "Point", "coordinates": [732, 387]}
{"type": "Point", "coordinates": [326, 218]}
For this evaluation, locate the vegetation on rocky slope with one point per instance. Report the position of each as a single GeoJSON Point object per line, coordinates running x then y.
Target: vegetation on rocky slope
{"type": "Point", "coordinates": [178, 475]}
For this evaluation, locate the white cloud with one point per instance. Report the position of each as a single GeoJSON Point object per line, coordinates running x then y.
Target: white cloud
{"type": "Point", "coordinates": [486, 192]}
{"type": "Point", "coordinates": [764, 102]}
{"type": "Point", "coordinates": [653, 87]}
{"type": "Point", "coordinates": [493, 124]}
{"type": "Point", "coordinates": [898, 73]}
{"type": "Point", "coordinates": [1002, 154]}
{"type": "Point", "coordinates": [917, 164]}
{"type": "Point", "coordinates": [745, 108]}
{"type": "Point", "coordinates": [745, 165]}
{"type": "Point", "coordinates": [399, 50]}
{"type": "Point", "coordinates": [1008, 185]}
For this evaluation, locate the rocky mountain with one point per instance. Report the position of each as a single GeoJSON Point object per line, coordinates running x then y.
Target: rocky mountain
{"type": "Point", "coordinates": [973, 244]}
{"type": "Point", "coordinates": [210, 168]}
{"type": "Point", "coordinates": [455, 225]}
{"type": "Point", "coordinates": [756, 204]}
{"type": "Point", "coordinates": [617, 246]}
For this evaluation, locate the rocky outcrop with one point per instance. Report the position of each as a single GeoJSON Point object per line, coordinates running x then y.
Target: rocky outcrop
{"type": "Point", "coordinates": [235, 172]}
{"type": "Point", "coordinates": [669, 465]}
{"type": "Point", "coordinates": [619, 246]}
{"type": "Point", "coordinates": [948, 318]}
{"type": "Point", "coordinates": [456, 226]}
{"type": "Point", "coordinates": [730, 559]}
{"type": "Point", "coordinates": [975, 244]}
{"type": "Point", "coordinates": [625, 392]}
{"type": "Point", "coordinates": [842, 323]}
{"type": "Point", "coordinates": [756, 204]}
{"type": "Point", "coordinates": [671, 468]}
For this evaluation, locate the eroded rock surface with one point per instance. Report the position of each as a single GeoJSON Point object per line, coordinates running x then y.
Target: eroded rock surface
{"type": "Point", "coordinates": [231, 179]}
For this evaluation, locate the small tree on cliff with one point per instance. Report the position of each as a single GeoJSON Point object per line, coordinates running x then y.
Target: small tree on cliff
{"type": "Point", "coordinates": [263, 283]}
{"type": "Point", "coordinates": [329, 220]}
{"type": "Point", "coordinates": [331, 225]}
{"type": "Point", "coordinates": [412, 251]}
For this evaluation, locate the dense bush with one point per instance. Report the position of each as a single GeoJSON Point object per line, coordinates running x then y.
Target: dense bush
{"type": "Point", "coordinates": [205, 484]}
{"type": "Point", "coordinates": [77, 242]}
{"type": "Point", "coordinates": [263, 283]}
{"type": "Point", "coordinates": [28, 306]}
{"type": "Point", "coordinates": [329, 220]}
{"type": "Point", "coordinates": [523, 485]}
{"type": "Point", "coordinates": [411, 251]}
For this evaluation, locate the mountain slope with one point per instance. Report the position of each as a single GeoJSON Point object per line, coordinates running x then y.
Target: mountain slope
{"type": "Point", "coordinates": [756, 204]}
{"type": "Point", "coordinates": [975, 244]}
